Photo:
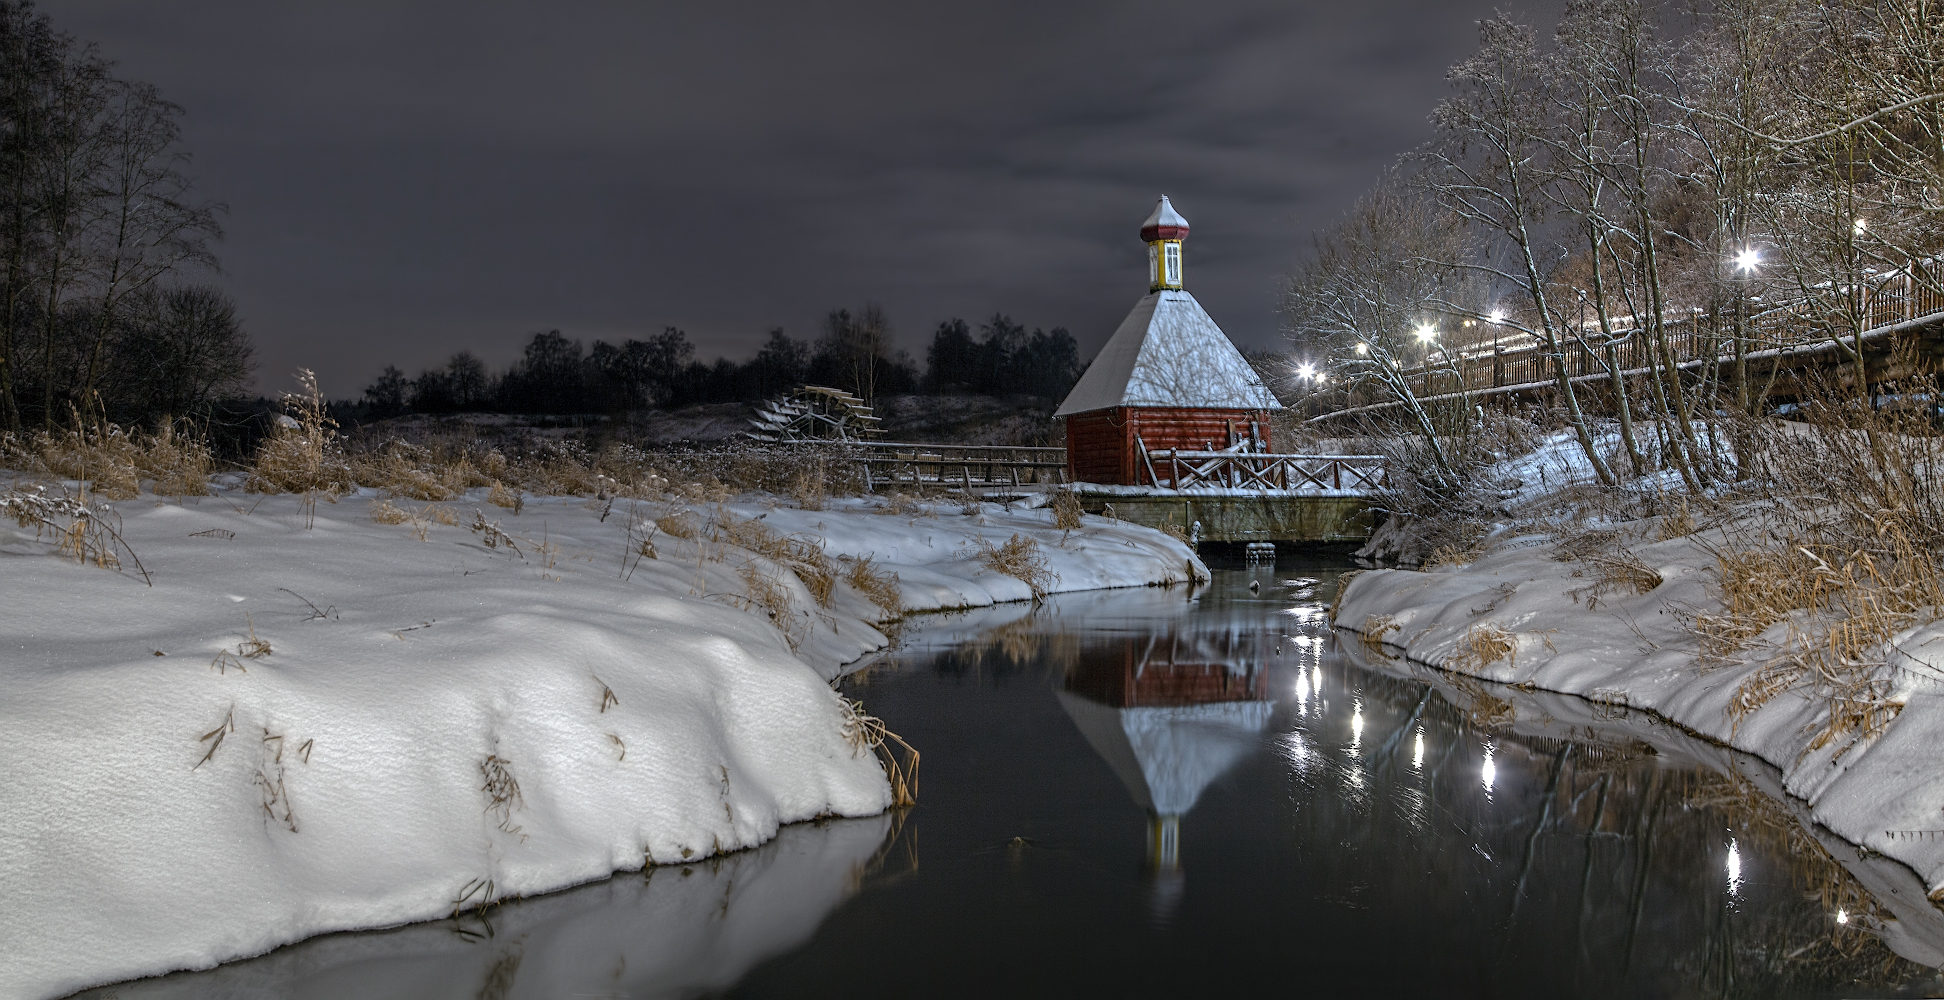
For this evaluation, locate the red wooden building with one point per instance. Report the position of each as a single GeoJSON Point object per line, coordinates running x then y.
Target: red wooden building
{"type": "Point", "coordinates": [1168, 378]}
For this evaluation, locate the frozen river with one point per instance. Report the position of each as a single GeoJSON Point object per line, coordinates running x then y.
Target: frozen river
{"type": "Point", "coordinates": [1173, 792]}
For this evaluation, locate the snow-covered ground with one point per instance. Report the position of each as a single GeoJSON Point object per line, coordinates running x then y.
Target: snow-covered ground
{"type": "Point", "coordinates": [315, 722]}
{"type": "Point", "coordinates": [1620, 648]}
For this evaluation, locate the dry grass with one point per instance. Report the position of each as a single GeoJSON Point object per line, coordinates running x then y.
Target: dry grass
{"type": "Point", "coordinates": [253, 647]}
{"type": "Point", "coordinates": [113, 461]}
{"type": "Point", "coordinates": [511, 499]}
{"type": "Point", "coordinates": [1066, 509]}
{"type": "Point", "coordinates": [1452, 555]}
{"type": "Point", "coordinates": [302, 453]}
{"type": "Point", "coordinates": [678, 525]}
{"type": "Point", "coordinates": [503, 791]}
{"type": "Point", "coordinates": [807, 488]}
{"type": "Point", "coordinates": [801, 556]}
{"type": "Point", "coordinates": [215, 736]}
{"type": "Point", "coordinates": [1021, 559]}
{"type": "Point", "coordinates": [874, 583]}
{"type": "Point", "coordinates": [867, 732]}
{"type": "Point", "coordinates": [1483, 646]}
{"type": "Point", "coordinates": [490, 533]}
{"type": "Point", "coordinates": [1375, 628]}
{"type": "Point", "coordinates": [1761, 585]}
{"type": "Point", "coordinates": [1677, 523]}
{"type": "Point", "coordinates": [1342, 588]}
{"type": "Point", "coordinates": [383, 512]}
{"type": "Point", "coordinates": [1845, 551]}
{"type": "Point", "coordinates": [898, 505]}
{"type": "Point", "coordinates": [86, 531]}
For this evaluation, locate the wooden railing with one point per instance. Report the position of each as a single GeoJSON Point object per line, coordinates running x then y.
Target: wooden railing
{"type": "Point", "coordinates": [1692, 338]}
{"type": "Point", "coordinates": [1181, 469]}
{"type": "Point", "coordinates": [888, 464]}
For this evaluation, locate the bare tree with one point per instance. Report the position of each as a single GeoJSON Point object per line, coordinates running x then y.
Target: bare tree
{"type": "Point", "coordinates": [1486, 169]}
{"type": "Point", "coordinates": [148, 225]}
{"type": "Point", "coordinates": [862, 345]}
{"type": "Point", "coordinates": [66, 185]}
{"type": "Point", "coordinates": [177, 351]}
{"type": "Point", "coordinates": [29, 53]}
{"type": "Point", "coordinates": [1356, 304]}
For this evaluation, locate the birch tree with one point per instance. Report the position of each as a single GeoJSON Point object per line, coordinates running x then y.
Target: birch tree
{"type": "Point", "coordinates": [1486, 168]}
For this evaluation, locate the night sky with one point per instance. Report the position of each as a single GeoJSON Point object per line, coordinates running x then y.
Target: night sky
{"type": "Point", "coordinates": [407, 179]}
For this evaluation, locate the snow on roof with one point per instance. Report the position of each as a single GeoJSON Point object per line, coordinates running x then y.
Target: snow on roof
{"type": "Point", "coordinates": [1164, 215]}
{"type": "Point", "coordinates": [1168, 352]}
{"type": "Point", "coordinates": [1166, 756]}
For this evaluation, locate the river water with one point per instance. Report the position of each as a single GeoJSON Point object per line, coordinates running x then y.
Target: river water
{"type": "Point", "coordinates": [1170, 792]}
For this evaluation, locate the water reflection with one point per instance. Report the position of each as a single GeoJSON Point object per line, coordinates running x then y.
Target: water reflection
{"type": "Point", "coordinates": [1281, 801]}
{"type": "Point", "coordinates": [669, 931]}
{"type": "Point", "coordinates": [1169, 712]}
{"type": "Point", "coordinates": [1334, 801]}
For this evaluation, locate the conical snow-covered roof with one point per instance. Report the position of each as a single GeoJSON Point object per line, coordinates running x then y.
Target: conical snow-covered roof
{"type": "Point", "coordinates": [1168, 352]}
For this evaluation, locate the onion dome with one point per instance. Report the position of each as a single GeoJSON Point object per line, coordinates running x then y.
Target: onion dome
{"type": "Point", "coordinates": [1164, 223]}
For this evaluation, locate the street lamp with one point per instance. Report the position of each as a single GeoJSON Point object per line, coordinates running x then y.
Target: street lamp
{"type": "Point", "coordinates": [1748, 260]}
{"type": "Point", "coordinates": [1498, 316]}
{"type": "Point", "coordinates": [1427, 333]}
{"type": "Point", "coordinates": [1362, 348]}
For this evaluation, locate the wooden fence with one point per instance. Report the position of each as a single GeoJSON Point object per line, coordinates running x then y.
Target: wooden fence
{"type": "Point", "coordinates": [1180, 469]}
{"type": "Point", "coordinates": [1894, 300]}
{"type": "Point", "coordinates": [889, 464]}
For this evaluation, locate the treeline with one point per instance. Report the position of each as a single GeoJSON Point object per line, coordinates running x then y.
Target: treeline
{"type": "Point", "coordinates": [556, 375]}
{"type": "Point", "coordinates": [98, 228]}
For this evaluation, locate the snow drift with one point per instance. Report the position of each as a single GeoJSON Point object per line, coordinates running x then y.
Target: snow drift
{"type": "Point", "coordinates": [313, 722]}
{"type": "Point", "coordinates": [1518, 615]}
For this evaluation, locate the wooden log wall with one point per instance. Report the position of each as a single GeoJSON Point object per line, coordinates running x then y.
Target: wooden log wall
{"type": "Point", "coordinates": [1102, 444]}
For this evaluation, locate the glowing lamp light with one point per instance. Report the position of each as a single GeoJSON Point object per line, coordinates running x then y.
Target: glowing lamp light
{"type": "Point", "coordinates": [1498, 316]}
{"type": "Point", "coordinates": [1306, 371]}
{"type": "Point", "coordinates": [1427, 333]}
{"type": "Point", "coordinates": [1363, 348]}
{"type": "Point", "coordinates": [1748, 260]}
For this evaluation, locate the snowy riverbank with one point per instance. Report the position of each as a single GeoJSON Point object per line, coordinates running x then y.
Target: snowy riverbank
{"type": "Point", "coordinates": [313, 721]}
{"type": "Point", "coordinates": [1520, 615]}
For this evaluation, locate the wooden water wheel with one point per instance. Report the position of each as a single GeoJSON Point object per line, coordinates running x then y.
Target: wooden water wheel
{"type": "Point", "coordinates": [814, 413]}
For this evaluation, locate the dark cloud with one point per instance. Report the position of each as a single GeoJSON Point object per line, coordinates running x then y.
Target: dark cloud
{"type": "Point", "coordinates": [408, 179]}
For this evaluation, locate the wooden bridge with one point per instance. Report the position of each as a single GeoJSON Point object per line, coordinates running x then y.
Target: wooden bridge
{"type": "Point", "coordinates": [1901, 315]}
{"type": "Point", "coordinates": [1232, 496]}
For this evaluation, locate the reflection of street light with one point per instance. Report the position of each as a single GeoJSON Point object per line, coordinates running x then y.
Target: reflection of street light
{"type": "Point", "coordinates": [1748, 260]}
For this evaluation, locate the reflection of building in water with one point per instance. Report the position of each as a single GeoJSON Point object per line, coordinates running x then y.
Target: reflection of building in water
{"type": "Point", "coordinates": [1170, 714]}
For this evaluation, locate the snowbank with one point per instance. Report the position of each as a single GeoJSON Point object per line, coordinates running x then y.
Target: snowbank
{"type": "Point", "coordinates": [678, 931]}
{"type": "Point", "coordinates": [1569, 634]}
{"type": "Point", "coordinates": [432, 722]}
